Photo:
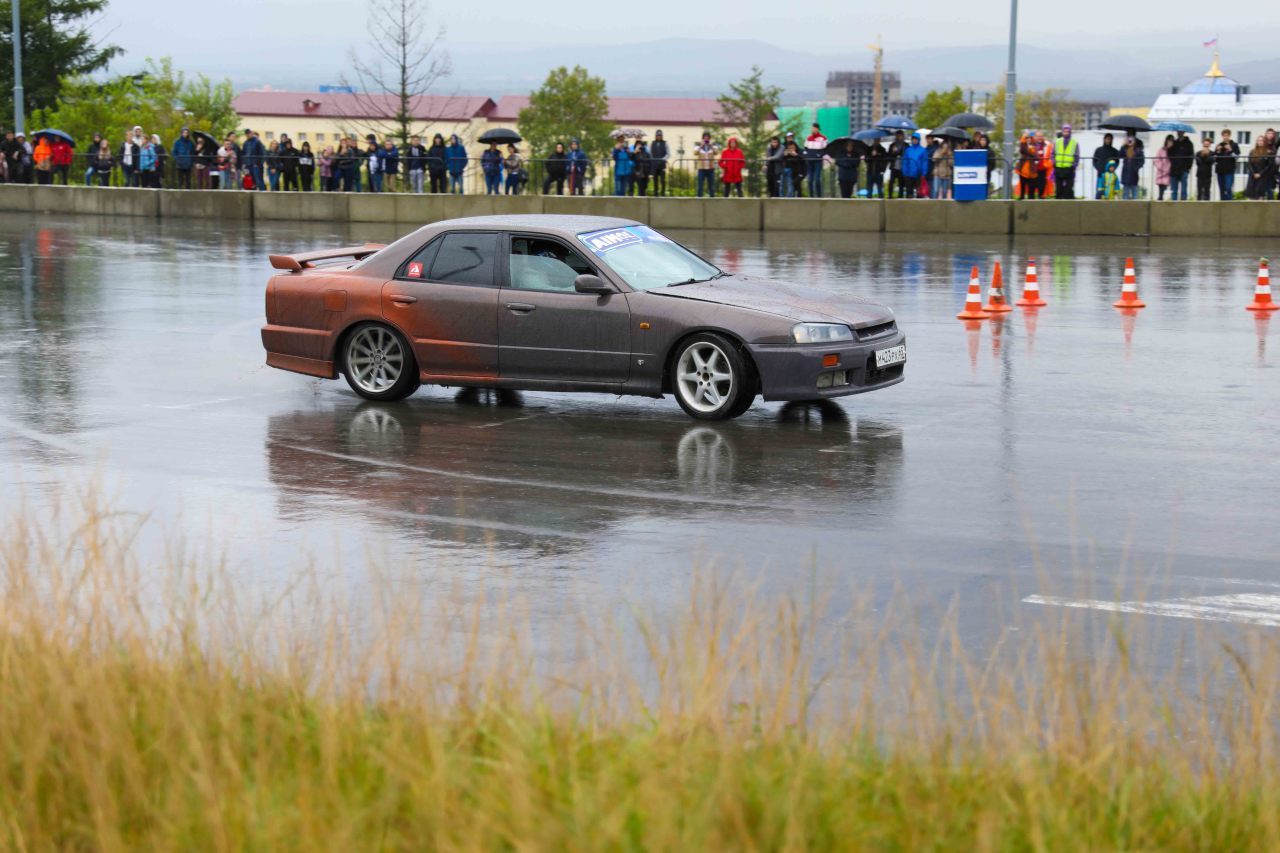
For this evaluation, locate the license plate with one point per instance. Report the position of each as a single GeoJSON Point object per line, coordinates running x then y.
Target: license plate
{"type": "Point", "coordinates": [892, 355]}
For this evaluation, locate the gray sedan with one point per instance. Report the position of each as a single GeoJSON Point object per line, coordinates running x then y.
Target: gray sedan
{"type": "Point", "coordinates": [570, 303]}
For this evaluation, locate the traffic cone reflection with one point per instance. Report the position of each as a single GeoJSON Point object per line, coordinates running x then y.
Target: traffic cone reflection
{"type": "Point", "coordinates": [997, 335]}
{"type": "Point", "coordinates": [1262, 293]}
{"type": "Point", "coordinates": [1029, 319]}
{"type": "Point", "coordinates": [1129, 293]}
{"type": "Point", "coordinates": [1130, 316]}
{"type": "Point", "coordinates": [973, 301]}
{"type": "Point", "coordinates": [1262, 322]}
{"type": "Point", "coordinates": [1031, 297]}
{"type": "Point", "coordinates": [996, 303]}
{"type": "Point", "coordinates": [973, 331]}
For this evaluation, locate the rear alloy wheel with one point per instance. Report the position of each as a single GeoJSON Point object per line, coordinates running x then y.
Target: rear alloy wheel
{"type": "Point", "coordinates": [378, 364]}
{"type": "Point", "coordinates": [711, 378]}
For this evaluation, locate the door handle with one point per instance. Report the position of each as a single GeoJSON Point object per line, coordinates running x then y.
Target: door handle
{"type": "Point", "coordinates": [403, 299]}
{"type": "Point", "coordinates": [520, 307]}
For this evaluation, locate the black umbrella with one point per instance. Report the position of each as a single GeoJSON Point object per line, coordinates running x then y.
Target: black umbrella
{"type": "Point", "coordinates": [835, 148]}
{"type": "Point", "coordinates": [209, 142]}
{"type": "Point", "coordinates": [949, 133]}
{"type": "Point", "coordinates": [501, 135]}
{"type": "Point", "coordinates": [1126, 122]}
{"type": "Point", "coordinates": [892, 123]}
{"type": "Point", "coordinates": [970, 121]}
{"type": "Point", "coordinates": [872, 134]}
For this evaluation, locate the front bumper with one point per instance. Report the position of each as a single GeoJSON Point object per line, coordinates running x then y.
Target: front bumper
{"type": "Point", "coordinates": [791, 371]}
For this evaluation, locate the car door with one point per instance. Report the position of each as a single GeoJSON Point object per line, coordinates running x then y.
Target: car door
{"type": "Point", "coordinates": [446, 298]}
{"type": "Point", "coordinates": [547, 330]}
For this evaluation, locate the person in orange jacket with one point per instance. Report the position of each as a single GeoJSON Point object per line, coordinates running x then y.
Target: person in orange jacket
{"type": "Point", "coordinates": [732, 161]}
{"type": "Point", "coordinates": [62, 157]}
{"type": "Point", "coordinates": [42, 156]}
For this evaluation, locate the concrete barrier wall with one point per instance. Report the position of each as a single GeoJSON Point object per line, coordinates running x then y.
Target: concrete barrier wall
{"type": "Point", "coordinates": [1059, 218]}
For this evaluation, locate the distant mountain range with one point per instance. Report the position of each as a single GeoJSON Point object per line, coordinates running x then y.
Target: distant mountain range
{"type": "Point", "coordinates": [703, 68]}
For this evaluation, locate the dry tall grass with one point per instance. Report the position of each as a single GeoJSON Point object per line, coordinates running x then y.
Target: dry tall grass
{"type": "Point", "coordinates": [153, 707]}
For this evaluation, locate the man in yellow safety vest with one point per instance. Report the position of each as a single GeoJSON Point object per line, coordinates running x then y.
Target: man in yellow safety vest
{"type": "Point", "coordinates": [1066, 156]}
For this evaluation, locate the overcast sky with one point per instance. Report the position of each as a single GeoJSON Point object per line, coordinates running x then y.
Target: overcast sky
{"type": "Point", "coordinates": [262, 39]}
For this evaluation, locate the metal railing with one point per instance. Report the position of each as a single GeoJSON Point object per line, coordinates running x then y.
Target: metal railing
{"type": "Point", "coordinates": [678, 176]}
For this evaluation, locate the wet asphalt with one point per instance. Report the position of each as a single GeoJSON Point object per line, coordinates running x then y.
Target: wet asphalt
{"type": "Point", "coordinates": [1073, 453]}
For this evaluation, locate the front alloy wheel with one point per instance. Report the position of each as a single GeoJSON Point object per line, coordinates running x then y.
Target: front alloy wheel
{"type": "Point", "coordinates": [378, 364]}
{"type": "Point", "coordinates": [712, 379]}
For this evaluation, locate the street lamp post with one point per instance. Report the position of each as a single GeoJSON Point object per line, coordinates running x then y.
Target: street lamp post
{"type": "Point", "coordinates": [1010, 98]}
{"type": "Point", "coordinates": [17, 68]}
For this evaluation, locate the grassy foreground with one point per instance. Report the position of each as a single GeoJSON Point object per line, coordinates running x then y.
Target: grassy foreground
{"type": "Point", "coordinates": [159, 711]}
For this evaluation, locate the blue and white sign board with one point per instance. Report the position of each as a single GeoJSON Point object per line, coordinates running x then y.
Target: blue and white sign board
{"type": "Point", "coordinates": [604, 242]}
{"type": "Point", "coordinates": [970, 182]}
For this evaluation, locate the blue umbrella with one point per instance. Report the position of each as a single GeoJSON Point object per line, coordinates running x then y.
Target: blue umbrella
{"type": "Point", "coordinates": [872, 135]}
{"type": "Point", "coordinates": [892, 123]}
{"type": "Point", "coordinates": [1174, 126]}
{"type": "Point", "coordinates": [48, 131]}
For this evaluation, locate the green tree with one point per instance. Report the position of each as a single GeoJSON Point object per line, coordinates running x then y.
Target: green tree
{"type": "Point", "coordinates": [938, 106]}
{"type": "Point", "coordinates": [569, 104]}
{"type": "Point", "coordinates": [159, 99]}
{"type": "Point", "coordinates": [1036, 110]}
{"type": "Point", "coordinates": [746, 110]}
{"type": "Point", "coordinates": [57, 45]}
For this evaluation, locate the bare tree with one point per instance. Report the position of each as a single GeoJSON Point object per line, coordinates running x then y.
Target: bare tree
{"type": "Point", "coordinates": [403, 62]}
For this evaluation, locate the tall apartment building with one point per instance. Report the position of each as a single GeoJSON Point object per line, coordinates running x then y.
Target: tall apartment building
{"type": "Point", "coordinates": [857, 90]}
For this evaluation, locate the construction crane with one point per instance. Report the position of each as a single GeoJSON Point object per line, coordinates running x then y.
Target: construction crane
{"type": "Point", "coordinates": [877, 86]}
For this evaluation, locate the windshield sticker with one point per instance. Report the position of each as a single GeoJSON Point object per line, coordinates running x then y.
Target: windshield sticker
{"type": "Point", "coordinates": [603, 242]}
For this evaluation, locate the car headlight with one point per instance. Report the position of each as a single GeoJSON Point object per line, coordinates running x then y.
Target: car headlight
{"type": "Point", "coordinates": [820, 333]}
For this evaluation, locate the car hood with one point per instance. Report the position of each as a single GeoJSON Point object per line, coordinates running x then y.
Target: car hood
{"type": "Point", "coordinates": [799, 303]}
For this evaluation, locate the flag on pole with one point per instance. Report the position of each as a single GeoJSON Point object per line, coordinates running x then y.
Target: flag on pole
{"type": "Point", "coordinates": [1213, 42]}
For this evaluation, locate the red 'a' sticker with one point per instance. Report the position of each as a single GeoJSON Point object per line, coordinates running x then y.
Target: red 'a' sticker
{"type": "Point", "coordinates": [415, 269]}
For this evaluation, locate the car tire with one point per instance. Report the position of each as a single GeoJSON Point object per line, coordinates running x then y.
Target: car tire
{"type": "Point", "coordinates": [378, 363]}
{"type": "Point", "coordinates": [711, 378]}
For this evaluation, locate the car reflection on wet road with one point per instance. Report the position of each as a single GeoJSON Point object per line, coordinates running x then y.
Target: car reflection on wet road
{"type": "Point", "coordinates": [465, 471]}
{"type": "Point", "coordinates": [1067, 452]}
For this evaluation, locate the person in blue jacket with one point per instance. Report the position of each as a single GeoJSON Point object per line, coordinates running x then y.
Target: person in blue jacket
{"type": "Point", "coordinates": [623, 167]}
{"type": "Point", "coordinates": [252, 155]}
{"type": "Point", "coordinates": [455, 161]}
{"type": "Point", "coordinates": [184, 156]}
{"type": "Point", "coordinates": [491, 165]}
{"type": "Point", "coordinates": [577, 167]}
{"type": "Point", "coordinates": [915, 165]}
{"type": "Point", "coordinates": [390, 155]}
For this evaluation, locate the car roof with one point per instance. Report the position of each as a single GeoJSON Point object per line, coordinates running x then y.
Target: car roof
{"type": "Point", "coordinates": [565, 225]}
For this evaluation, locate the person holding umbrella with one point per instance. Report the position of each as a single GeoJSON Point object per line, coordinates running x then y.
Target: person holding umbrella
{"type": "Point", "coordinates": [491, 167]}
{"type": "Point", "coordinates": [62, 157]}
{"type": "Point", "coordinates": [1181, 158]}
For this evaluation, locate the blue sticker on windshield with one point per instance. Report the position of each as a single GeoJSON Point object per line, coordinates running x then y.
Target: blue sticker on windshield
{"type": "Point", "coordinates": [603, 242]}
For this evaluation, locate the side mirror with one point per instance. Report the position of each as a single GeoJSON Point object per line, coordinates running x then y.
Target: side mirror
{"type": "Point", "coordinates": [588, 283]}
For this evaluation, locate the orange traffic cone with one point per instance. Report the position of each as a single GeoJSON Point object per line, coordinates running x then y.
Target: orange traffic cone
{"type": "Point", "coordinates": [1262, 293]}
{"type": "Point", "coordinates": [973, 302]}
{"type": "Point", "coordinates": [1129, 293]}
{"type": "Point", "coordinates": [1031, 297]}
{"type": "Point", "coordinates": [996, 303]}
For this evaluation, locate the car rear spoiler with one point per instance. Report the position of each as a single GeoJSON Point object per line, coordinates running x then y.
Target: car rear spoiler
{"type": "Point", "coordinates": [303, 260]}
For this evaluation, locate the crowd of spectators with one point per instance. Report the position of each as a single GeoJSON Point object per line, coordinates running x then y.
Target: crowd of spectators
{"type": "Point", "coordinates": [918, 165]}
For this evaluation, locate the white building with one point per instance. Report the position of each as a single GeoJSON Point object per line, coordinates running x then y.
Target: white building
{"type": "Point", "coordinates": [1215, 103]}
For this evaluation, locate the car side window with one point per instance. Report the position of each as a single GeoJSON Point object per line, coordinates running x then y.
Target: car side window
{"type": "Point", "coordinates": [416, 267]}
{"type": "Point", "coordinates": [465, 259]}
{"type": "Point", "coordinates": [546, 265]}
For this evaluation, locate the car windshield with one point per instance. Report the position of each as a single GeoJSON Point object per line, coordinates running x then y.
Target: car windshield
{"type": "Point", "coordinates": [646, 259]}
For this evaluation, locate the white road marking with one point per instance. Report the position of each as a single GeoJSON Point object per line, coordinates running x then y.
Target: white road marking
{"type": "Point", "coordinates": [504, 423]}
{"type": "Point", "coordinates": [1249, 608]}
